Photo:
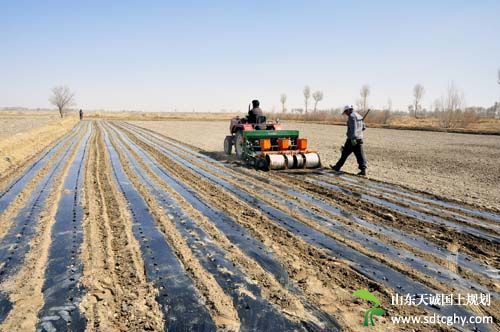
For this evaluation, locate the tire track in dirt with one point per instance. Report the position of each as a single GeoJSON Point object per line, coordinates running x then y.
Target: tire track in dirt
{"type": "Point", "coordinates": [318, 239]}
{"type": "Point", "coordinates": [254, 313]}
{"type": "Point", "coordinates": [62, 288]}
{"type": "Point", "coordinates": [118, 296]}
{"type": "Point", "coordinates": [33, 232]}
{"type": "Point", "coordinates": [183, 305]}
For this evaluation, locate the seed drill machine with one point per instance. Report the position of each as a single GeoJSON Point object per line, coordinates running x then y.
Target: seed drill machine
{"type": "Point", "coordinates": [267, 146]}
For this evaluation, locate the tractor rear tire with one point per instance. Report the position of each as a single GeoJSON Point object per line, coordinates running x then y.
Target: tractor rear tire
{"type": "Point", "coordinates": [228, 145]}
{"type": "Point", "coordinates": [238, 144]}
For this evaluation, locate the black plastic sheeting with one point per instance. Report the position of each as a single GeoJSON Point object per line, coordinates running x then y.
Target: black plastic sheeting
{"type": "Point", "coordinates": [417, 263]}
{"type": "Point", "coordinates": [414, 214]}
{"type": "Point", "coordinates": [401, 198]}
{"type": "Point", "coordinates": [495, 217]}
{"type": "Point", "coordinates": [427, 268]}
{"type": "Point", "coordinates": [15, 244]}
{"type": "Point", "coordinates": [415, 241]}
{"type": "Point", "coordinates": [398, 254]}
{"type": "Point", "coordinates": [365, 265]}
{"type": "Point", "coordinates": [236, 233]}
{"type": "Point", "coordinates": [62, 289]}
{"type": "Point", "coordinates": [255, 313]}
{"type": "Point", "coordinates": [15, 187]}
{"type": "Point", "coordinates": [179, 299]}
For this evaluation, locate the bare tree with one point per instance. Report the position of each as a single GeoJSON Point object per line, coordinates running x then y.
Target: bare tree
{"type": "Point", "coordinates": [307, 95]}
{"type": "Point", "coordinates": [317, 96]}
{"type": "Point", "coordinates": [451, 107]}
{"type": "Point", "coordinates": [387, 112]}
{"type": "Point", "coordinates": [283, 101]}
{"type": "Point", "coordinates": [418, 93]}
{"type": "Point", "coordinates": [364, 93]}
{"type": "Point", "coordinates": [62, 98]}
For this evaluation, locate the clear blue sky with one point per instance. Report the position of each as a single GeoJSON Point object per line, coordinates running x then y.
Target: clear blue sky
{"type": "Point", "coordinates": [213, 55]}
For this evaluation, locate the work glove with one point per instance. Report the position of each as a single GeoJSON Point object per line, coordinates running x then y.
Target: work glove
{"type": "Point", "coordinates": [354, 142]}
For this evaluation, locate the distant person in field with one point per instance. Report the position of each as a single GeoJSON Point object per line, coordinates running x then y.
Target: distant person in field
{"type": "Point", "coordinates": [354, 142]}
{"type": "Point", "coordinates": [81, 114]}
{"type": "Point", "coordinates": [255, 112]}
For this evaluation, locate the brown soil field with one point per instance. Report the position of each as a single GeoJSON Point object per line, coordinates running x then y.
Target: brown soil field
{"type": "Point", "coordinates": [148, 226]}
{"type": "Point", "coordinates": [24, 134]}
{"type": "Point", "coordinates": [13, 126]}
{"type": "Point", "coordinates": [462, 167]}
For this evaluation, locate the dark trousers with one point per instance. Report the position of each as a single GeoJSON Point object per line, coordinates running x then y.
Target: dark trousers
{"type": "Point", "coordinates": [358, 152]}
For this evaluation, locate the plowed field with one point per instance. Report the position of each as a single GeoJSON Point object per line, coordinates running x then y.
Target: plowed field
{"type": "Point", "coordinates": [114, 227]}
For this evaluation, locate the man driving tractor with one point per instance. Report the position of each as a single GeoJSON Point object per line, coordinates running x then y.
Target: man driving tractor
{"type": "Point", "coordinates": [255, 112]}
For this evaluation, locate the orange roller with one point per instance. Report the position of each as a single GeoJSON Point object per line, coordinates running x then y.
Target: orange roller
{"type": "Point", "coordinates": [283, 143]}
{"type": "Point", "coordinates": [301, 143]}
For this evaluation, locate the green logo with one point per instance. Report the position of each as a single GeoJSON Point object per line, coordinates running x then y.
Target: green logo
{"type": "Point", "coordinates": [374, 310]}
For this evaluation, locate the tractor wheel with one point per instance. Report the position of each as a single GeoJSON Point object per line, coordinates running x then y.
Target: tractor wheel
{"type": "Point", "coordinates": [228, 144]}
{"type": "Point", "coordinates": [238, 144]}
{"type": "Point", "coordinates": [262, 165]}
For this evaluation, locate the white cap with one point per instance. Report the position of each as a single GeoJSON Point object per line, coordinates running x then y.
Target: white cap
{"type": "Point", "coordinates": [348, 108]}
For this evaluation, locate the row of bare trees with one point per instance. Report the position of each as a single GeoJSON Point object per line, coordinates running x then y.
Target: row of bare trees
{"type": "Point", "coordinates": [362, 102]}
{"type": "Point", "coordinates": [449, 109]}
{"type": "Point", "coordinates": [317, 96]}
